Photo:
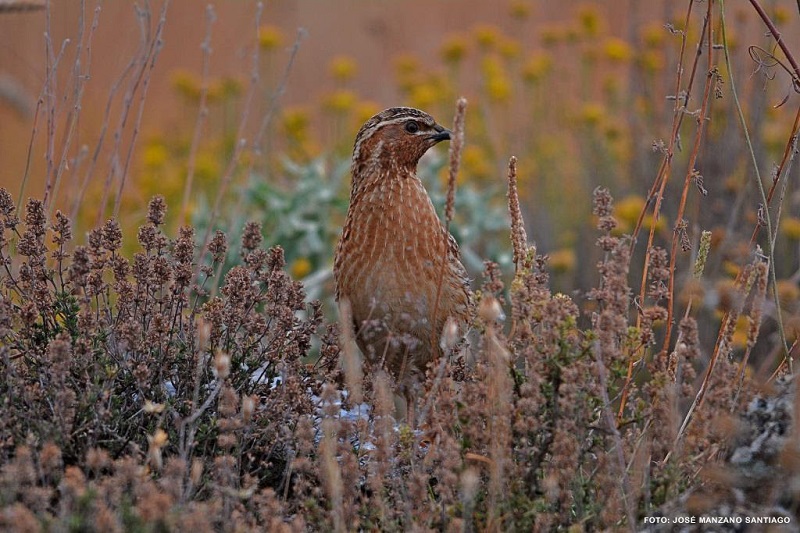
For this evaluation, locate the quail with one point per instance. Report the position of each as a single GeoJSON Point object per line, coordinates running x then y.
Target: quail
{"type": "Point", "coordinates": [396, 263]}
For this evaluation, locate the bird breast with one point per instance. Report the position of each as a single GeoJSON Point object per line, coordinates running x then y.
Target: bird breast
{"type": "Point", "coordinates": [395, 245]}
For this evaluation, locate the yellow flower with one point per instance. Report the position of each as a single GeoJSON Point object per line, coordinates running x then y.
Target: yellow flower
{"type": "Point", "coordinates": [207, 166]}
{"type": "Point", "coordinates": [269, 37]}
{"type": "Point", "coordinates": [562, 260]}
{"type": "Point", "coordinates": [652, 60]}
{"type": "Point", "coordinates": [590, 21]}
{"type": "Point", "coordinates": [552, 35]}
{"type": "Point", "coordinates": [224, 89]}
{"type": "Point", "coordinates": [740, 332]}
{"type": "Point", "coordinates": [653, 34]}
{"type": "Point", "coordinates": [454, 49]}
{"type": "Point", "coordinates": [571, 34]}
{"type": "Point", "coordinates": [186, 84]}
{"type": "Point", "coordinates": [781, 15]}
{"type": "Point", "coordinates": [365, 111]}
{"type": "Point", "coordinates": [519, 9]}
{"type": "Point", "coordinates": [617, 50]}
{"type": "Point", "coordinates": [592, 113]}
{"type": "Point", "coordinates": [498, 85]}
{"type": "Point", "coordinates": [628, 209]}
{"type": "Point", "coordinates": [340, 101]}
{"type": "Point", "coordinates": [791, 228]}
{"type": "Point", "coordinates": [295, 123]}
{"type": "Point", "coordinates": [509, 48]}
{"type": "Point", "coordinates": [788, 292]}
{"type": "Point", "coordinates": [733, 40]}
{"type": "Point", "coordinates": [537, 67]}
{"type": "Point", "coordinates": [487, 36]}
{"type": "Point", "coordinates": [499, 88]}
{"type": "Point", "coordinates": [231, 87]}
{"type": "Point", "coordinates": [406, 65]}
{"type": "Point", "coordinates": [476, 163]}
{"type": "Point", "coordinates": [155, 155]}
{"type": "Point", "coordinates": [343, 68]}
{"type": "Point", "coordinates": [730, 268]}
{"type": "Point", "coordinates": [613, 131]}
{"type": "Point", "coordinates": [300, 268]}
{"type": "Point", "coordinates": [423, 95]}
{"type": "Point", "coordinates": [792, 327]}
{"type": "Point", "coordinates": [660, 224]}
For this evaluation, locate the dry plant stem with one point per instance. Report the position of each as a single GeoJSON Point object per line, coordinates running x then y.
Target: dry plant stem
{"type": "Point", "coordinates": [519, 239]}
{"type": "Point", "coordinates": [783, 167]}
{"type": "Point", "coordinates": [665, 168]}
{"type": "Point", "coordinates": [84, 150]}
{"type": "Point", "coordinates": [770, 235]}
{"type": "Point", "coordinates": [258, 139]}
{"type": "Point", "coordinates": [103, 130]}
{"type": "Point", "coordinates": [777, 35]}
{"type": "Point", "coordinates": [274, 100]}
{"type": "Point", "coordinates": [80, 76]}
{"type": "Point", "coordinates": [50, 75]}
{"type": "Point", "coordinates": [155, 49]}
{"type": "Point", "coordinates": [784, 186]}
{"type": "Point", "coordinates": [701, 119]}
{"type": "Point", "coordinates": [727, 320]}
{"type": "Point", "coordinates": [50, 102]}
{"type": "Point", "coordinates": [140, 63]}
{"type": "Point", "coordinates": [202, 114]}
{"type": "Point", "coordinates": [34, 131]}
{"type": "Point", "coordinates": [660, 183]}
{"type": "Point", "coordinates": [241, 143]}
{"type": "Point", "coordinates": [619, 454]}
{"type": "Point", "coordinates": [456, 144]}
{"type": "Point", "coordinates": [333, 474]}
{"type": "Point", "coordinates": [499, 396]}
{"type": "Point", "coordinates": [188, 426]}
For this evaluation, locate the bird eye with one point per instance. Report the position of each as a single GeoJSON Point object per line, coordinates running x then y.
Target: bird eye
{"type": "Point", "coordinates": [412, 126]}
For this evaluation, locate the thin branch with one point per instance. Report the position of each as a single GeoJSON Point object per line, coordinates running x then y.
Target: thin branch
{"type": "Point", "coordinates": [155, 49]}
{"type": "Point", "coordinates": [202, 114]}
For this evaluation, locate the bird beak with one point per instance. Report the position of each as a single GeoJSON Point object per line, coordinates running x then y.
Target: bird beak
{"type": "Point", "coordinates": [441, 134]}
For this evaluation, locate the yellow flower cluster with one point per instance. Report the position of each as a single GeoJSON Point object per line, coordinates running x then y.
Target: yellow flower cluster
{"type": "Point", "coordinates": [343, 68]}
{"type": "Point", "coordinates": [269, 37]}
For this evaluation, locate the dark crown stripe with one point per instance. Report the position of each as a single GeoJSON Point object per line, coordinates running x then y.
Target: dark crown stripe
{"type": "Point", "coordinates": [393, 115]}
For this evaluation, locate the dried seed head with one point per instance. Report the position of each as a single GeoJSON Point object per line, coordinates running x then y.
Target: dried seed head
{"type": "Point", "coordinates": [7, 207]}
{"type": "Point", "coordinates": [112, 235]}
{"type": "Point", "coordinates": [62, 228]}
{"type": "Point", "coordinates": [490, 310]}
{"type": "Point", "coordinates": [470, 481]}
{"type": "Point", "coordinates": [702, 254]}
{"type": "Point", "coordinates": [156, 210]}
{"type": "Point", "coordinates": [222, 365]}
{"type": "Point", "coordinates": [153, 408]}
{"type": "Point", "coordinates": [218, 247]}
{"type": "Point", "coordinates": [196, 473]}
{"type": "Point", "coordinates": [248, 406]}
{"type": "Point", "coordinates": [251, 237]}
{"type": "Point", "coordinates": [449, 334]}
{"type": "Point", "coordinates": [156, 442]}
{"type": "Point", "coordinates": [519, 239]}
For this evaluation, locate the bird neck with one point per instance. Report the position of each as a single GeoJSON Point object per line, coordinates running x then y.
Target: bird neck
{"type": "Point", "coordinates": [371, 179]}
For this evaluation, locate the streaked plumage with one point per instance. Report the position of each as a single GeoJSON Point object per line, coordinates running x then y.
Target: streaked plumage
{"type": "Point", "coordinates": [394, 249]}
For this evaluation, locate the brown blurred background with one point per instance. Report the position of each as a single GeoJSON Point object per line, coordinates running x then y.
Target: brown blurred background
{"type": "Point", "coordinates": [373, 33]}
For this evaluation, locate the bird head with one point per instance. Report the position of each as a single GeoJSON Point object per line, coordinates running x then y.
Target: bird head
{"type": "Point", "coordinates": [397, 137]}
